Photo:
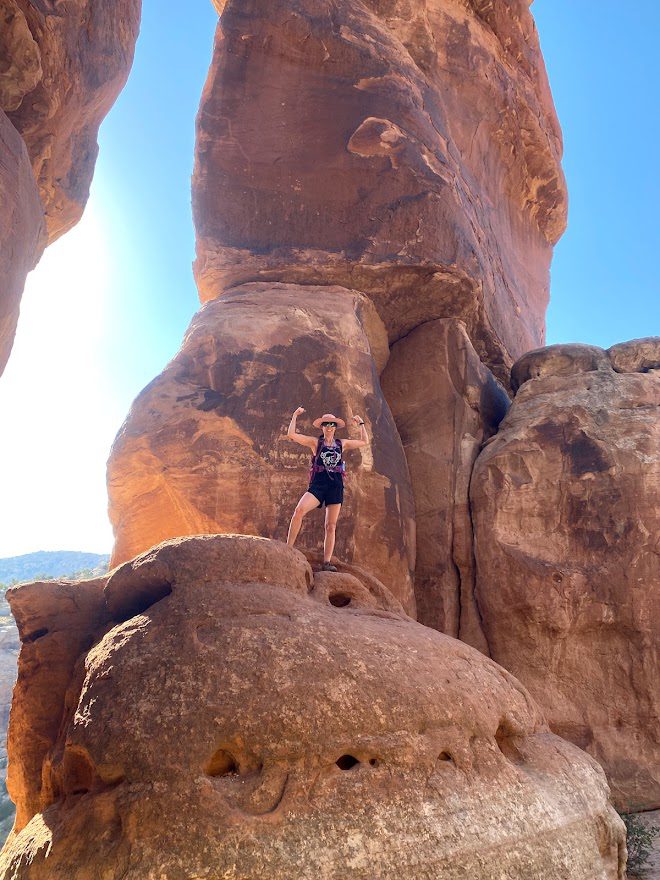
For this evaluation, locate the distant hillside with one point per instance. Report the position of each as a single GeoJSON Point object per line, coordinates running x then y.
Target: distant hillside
{"type": "Point", "coordinates": [51, 564]}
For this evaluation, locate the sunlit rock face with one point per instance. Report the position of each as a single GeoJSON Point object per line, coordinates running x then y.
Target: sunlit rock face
{"type": "Point", "coordinates": [64, 63]}
{"type": "Point", "coordinates": [566, 517]}
{"type": "Point", "coordinates": [203, 448]}
{"type": "Point", "coordinates": [405, 148]}
{"type": "Point", "coordinates": [230, 714]}
{"type": "Point", "coordinates": [22, 230]}
{"type": "Point", "coordinates": [406, 152]}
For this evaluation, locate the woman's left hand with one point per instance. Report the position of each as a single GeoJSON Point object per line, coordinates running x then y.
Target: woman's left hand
{"type": "Point", "coordinates": [357, 419]}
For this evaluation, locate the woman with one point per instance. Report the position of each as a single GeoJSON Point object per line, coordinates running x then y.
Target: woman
{"type": "Point", "coordinates": [326, 480]}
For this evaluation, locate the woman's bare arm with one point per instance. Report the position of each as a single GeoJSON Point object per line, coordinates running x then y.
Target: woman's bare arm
{"type": "Point", "coordinates": [303, 439]}
{"type": "Point", "coordinates": [364, 438]}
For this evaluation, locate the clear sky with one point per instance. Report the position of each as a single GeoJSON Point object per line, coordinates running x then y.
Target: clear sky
{"type": "Point", "coordinates": [108, 305]}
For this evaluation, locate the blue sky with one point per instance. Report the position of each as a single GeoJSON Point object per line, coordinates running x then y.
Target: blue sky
{"type": "Point", "coordinates": [601, 61]}
{"type": "Point", "coordinates": [109, 303]}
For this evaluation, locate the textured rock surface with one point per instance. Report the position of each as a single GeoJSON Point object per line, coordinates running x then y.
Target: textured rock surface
{"type": "Point", "coordinates": [566, 516]}
{"type": "Point", "coordinates": [408, 149]}
{"type": "Point", "coordinates": [22, 231]}
{"type": "Point", "coordinates": [62, 64]}
{"type": "Point", "coordinates": [203, 447]}
{"type": "Point", "coordinates": [635, 356]}
{"type": "Point", "coordinates": [269, 726]}
{"type": "Point", "coordinates": [9, 647]}
{"type": "Point", "coordinates": [445, 403]}
{"type": "Point", "coordinates": [56, 622]}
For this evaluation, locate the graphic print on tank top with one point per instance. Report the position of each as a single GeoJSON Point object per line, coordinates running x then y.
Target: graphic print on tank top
{"type": "Point", "coordinates": [330, 457]}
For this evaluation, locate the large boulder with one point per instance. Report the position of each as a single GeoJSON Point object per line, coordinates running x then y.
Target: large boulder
{"type": "Point", "coordinates": [566, 512]}
{"type": "Point", "coordinates": [56, 622]}
{"type": "Point", "coordinates": [63, 65]}
{"type": "Point", "coordinates": [22, 230]}
{"type": "Point", "coordinates": [446, 404]}
{"type": "Point", "coordinates": [237, 716]}
{"type": "Point", "coordinates": [408, 149]}
{"type": "Point", "coordinates": [203, 448]}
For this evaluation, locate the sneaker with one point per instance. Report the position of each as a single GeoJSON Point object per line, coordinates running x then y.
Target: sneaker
{"type": "Point", "coordinates": [328, 566]}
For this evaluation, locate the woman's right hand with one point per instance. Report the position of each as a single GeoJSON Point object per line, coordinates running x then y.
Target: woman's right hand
{"type": "Point", "coordinates": [301, 409]}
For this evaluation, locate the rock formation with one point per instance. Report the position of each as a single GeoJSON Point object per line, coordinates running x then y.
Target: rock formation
{"type": "Point", "coordinates": [348, 149]}
{"type": "Point", "coordinates": [408, 149]}
{"type": "Point", "coordinates": [565, 507]}
{"type": "Point", "coordinates": [22, 230]}
{"type": "Point", "coordinates": [445, 403]}
{"type": "Point", "coordinates": [68, 62]}
{"type": "Point", "coordinates": [377, 190]}
{"type": "Point", "coordinates": [204, 447]}
{"type": "Point", "coordinates": [215, 704]}
{"type": "Point", "coordinates": [397, 163]}
{"type": "Point", "coordinates": [61, 67]}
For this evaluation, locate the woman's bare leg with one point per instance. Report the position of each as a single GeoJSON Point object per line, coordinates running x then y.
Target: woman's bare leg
{"type": "Point", "coordinates": [307, 502]}
{"type": "Point", "coordinates": [331, 516]}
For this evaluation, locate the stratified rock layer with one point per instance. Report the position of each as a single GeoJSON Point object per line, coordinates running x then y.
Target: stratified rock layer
{"type": "Point", "coordinates": [445, 403]}
{"type": "Point", "coordinates": [566, 515]}
{"type": "Point", "coordinates": [203, 447]}
{"type": "Point", "coordinates": [22, 231]}
{"type": "Point", "coordinates": [237, 716]}
{"type": "Point", "coordinates": [408, 149]}
{"type": "Point", "coordinates": [63, 65]}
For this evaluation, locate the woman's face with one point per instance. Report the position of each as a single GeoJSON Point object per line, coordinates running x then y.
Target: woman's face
{"type": "Point", "coordinates": [328, 433]}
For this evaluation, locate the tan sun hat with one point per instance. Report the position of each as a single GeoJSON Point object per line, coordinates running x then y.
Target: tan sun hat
{"type": "Point", "coordinates": [328, 417]}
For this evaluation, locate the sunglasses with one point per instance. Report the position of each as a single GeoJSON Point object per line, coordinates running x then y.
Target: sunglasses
{"type": "Point", "coordinates": [328, 424]}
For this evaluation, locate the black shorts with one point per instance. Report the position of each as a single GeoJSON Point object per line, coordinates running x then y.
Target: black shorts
{"type": "Point", "coordinates": [328, 491]}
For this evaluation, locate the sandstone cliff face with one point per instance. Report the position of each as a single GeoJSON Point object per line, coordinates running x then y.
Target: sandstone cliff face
{"type": "Point", "coordinates": [408, 149]}
{"type": "Point", "coordinates": [408, 153]}
{"type": "Point", "coordinates": [226, 707]}
{"type": "Point", "coordinates": [63, 66]}
{"type": "Point", "coordinates": [565, 507]}
{"type": "Point", "coordinates": [376, 194]}
{"type": "Point", "coordinates": [445, 403]}
{"type": "Point", "coordinates": [204, 446]}
{"type": "Point", "coordinates": [22, 230]}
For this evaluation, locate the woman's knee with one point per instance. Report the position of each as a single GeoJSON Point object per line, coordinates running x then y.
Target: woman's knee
{"type": "Point", "coordinates": [330, 526]}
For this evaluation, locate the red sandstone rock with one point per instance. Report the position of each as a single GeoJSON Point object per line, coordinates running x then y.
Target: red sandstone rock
{"type": "Point", "coordinates": [235, 725]}
{"type": "Point", "coordinates": [406, 149]}
{"type": "Point", "coordinates": [61, 68]}
{"type": "Point", "coordinates": [566, 516]}
{"type": "Point", "coordinates": [203, 449]}
{"type": "Point", "coordinates": [63, 65]}
{"type": "Point", "coordinates": [56, 623]}
{"type": "Point", "coordinates": [22, 230]}
{"type": "Point", "coordinates": [636, 356]}
{"type": "Point", "coordinates": [445, 403]}
{"type": "Point", "coordinates": [20, 58]}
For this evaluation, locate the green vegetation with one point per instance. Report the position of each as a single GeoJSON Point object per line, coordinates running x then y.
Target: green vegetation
{"type": "Point", "coordinates": [49, 565]}
{"type": "Point", "coordinates": [639, 839]}
{"type": "Point", "coordinates": [79, 575]}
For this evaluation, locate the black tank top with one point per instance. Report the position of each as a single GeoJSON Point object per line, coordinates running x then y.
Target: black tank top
{"type": "Point", "coordinates": [329, 463]}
